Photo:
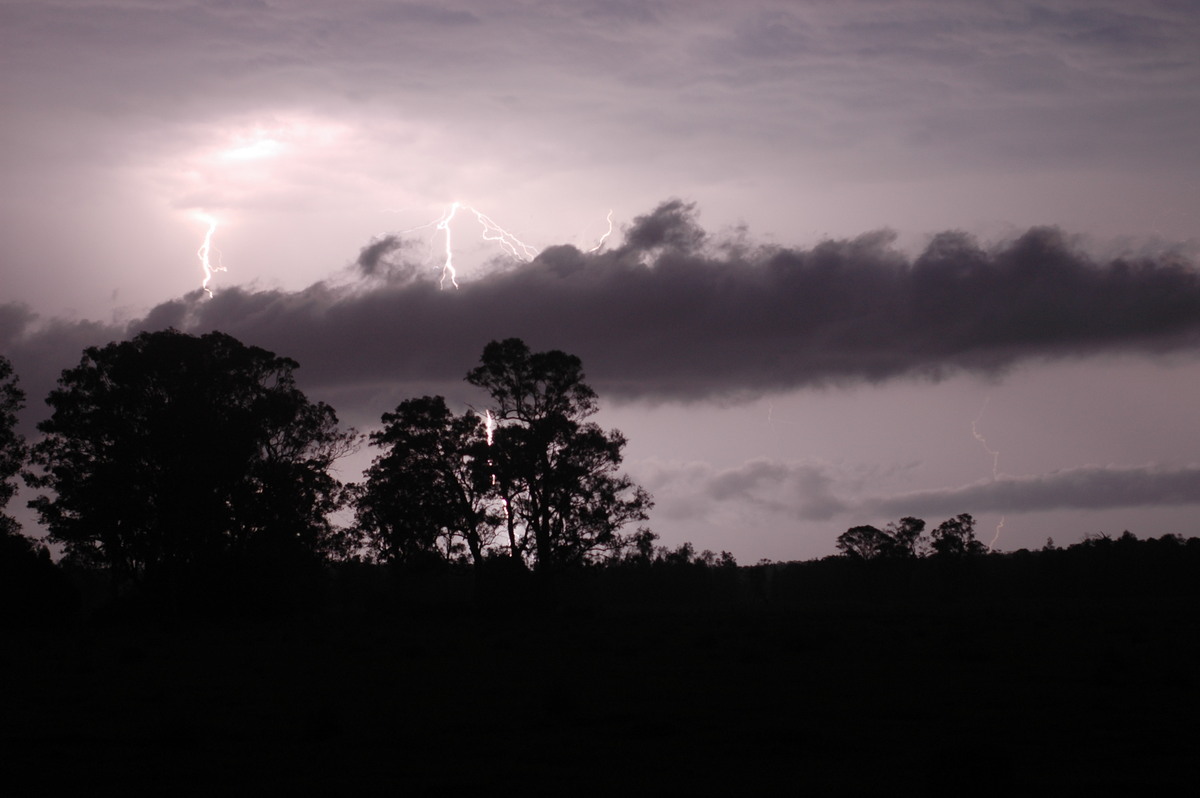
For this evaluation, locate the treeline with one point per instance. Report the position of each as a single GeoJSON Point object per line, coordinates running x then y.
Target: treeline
{"type": "Point", "coordinates": [188, 475]}
{"type": "Point", "coordinates": [193, 473]}
{"type": "Point", "coordinates": [905, 540]}
{"type": "Point", "coordinates": [1099, 567]}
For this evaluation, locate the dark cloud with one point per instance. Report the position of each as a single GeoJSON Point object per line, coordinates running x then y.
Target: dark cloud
{"type": "Point", "coordinates": [660, 317]}
{"type": "Point", "coordinates": [380, 259]}
{"type": "Point", "coordinates": [40, 351]}
{"type": "Point", "coordinates": [673, 315]}
{"type": "Point", "coordinates": [671, 226]}
{"type": "Point", "coordinates": [1088, 488]}
{"type": "Point", "coordinates": [370, 255]}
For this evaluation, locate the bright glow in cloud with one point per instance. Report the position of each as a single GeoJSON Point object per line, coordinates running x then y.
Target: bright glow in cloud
{"type": "Point", "coordinates": [253, 150]}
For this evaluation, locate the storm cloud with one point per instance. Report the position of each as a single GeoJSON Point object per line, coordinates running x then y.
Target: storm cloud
{"type": "Point", "coordinates": [1085, 488]}
{"type": "Point", "coordinates": [674, 314]}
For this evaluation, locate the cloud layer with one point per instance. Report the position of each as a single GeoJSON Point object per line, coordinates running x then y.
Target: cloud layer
{"type": "Point", "coordinates": [673, 314]}
{"type": "Point", "coordinates": [1085, 488]}
{"type": "Point", "coordinates": [796, 492]}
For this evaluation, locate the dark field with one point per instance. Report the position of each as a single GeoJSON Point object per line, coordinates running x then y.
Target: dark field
{"type": "Point", "coordinates": [1048, 697]}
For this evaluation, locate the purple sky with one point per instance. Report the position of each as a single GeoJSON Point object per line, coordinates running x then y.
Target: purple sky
{"type": "Point", "coordinates": [845, 233]}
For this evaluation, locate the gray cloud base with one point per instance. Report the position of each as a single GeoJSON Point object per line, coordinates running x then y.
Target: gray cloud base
{"type": "Point", "coordinates": [674, 315]}
{"type": "Point", "coordinates": [820, 492]}
{"type": "Point", "coordinates": [1086, 488]}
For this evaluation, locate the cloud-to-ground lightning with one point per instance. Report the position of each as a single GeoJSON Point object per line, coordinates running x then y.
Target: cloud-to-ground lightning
{"type": "Point", "coordinates": [995, 465]}
{"type": "Point", "coordinates": [210, 259]}
{"type": "Point", "coordinates": [607, 233]}
{"type": "Point", "coordinates": [995, 537]}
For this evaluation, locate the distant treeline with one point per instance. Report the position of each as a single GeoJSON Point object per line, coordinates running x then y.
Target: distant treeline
{"type": "Point", "coordinates": [1098, 568]}
{"type": "Point", "coordinates": [33, 590]}
{"type": "Point", "coordinates": [189, 476]}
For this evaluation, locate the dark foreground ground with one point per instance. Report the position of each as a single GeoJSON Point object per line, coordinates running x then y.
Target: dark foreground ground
{"type": "Point", "coordinates": [1055, 697]}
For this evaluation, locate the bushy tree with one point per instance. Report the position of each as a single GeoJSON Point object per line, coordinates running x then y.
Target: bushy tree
{"type": "Point", "coordinates": [900, 540]}
{"type": "Point", "coordinates": [171, 455]}
{"type": "Point", "coordinates": [12, 444]}
{"type": "Point", "coordinates": [905, 539]}
{"type": "Point", "coordinates": [556, 474]}
{"type": "Point", "coordinates": [863, 542]}
{"type": "Point", "coordinates": [427, 497]}
{"type": "Point", "coordinates": [955, 537]}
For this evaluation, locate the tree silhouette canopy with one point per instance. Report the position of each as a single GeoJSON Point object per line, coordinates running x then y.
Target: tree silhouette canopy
{"type": "Point", "coordinates": [428, 495]}
{"type": "Point", "coordinates": [904, 540]}
{"type": "Point", "coordinates": [12, 445]}
{"type": "Point", "coordinates": [171, 455]}
{"type": "Point", "coordinates": [955, 537]}
{"type": "Point", "coordinates": [555, 474]}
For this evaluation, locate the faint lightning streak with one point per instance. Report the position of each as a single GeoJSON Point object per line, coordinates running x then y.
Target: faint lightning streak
{"type": "Point", "coordinates": [995, 464]}
{"type": "Point", "coordinates": [205, 253]}
{"type": "Point", "coordinates": [607, 233]}
{"type": "Point", "coordinates": [983, 441]}
{"type": "Point", "coordinates": [996, 536]}
{"type": "Point", "coordinates": [772, 420]}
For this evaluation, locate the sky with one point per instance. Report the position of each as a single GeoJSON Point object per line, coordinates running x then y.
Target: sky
{"type": "Point", "coordinates": [867, 259]}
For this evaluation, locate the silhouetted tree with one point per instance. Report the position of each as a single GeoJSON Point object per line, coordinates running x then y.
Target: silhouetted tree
{"type": "Point", "coordinates": [900, 540]}
{"type": "Point", "coordinates": [955, 537]}
{"type": "Point", "coordinates": [12, 445]}
{"type": "Point", "coordinates": [32, 589]}
{"type": "Point", "coordinates": [172, 455]}
{"type": "Point", "coordinates": [904, 538]}
{"type": "Point", "coordinates": [641, 547]}
{"type": "Point", "coordinates": [564, 500]}
{"type": "Point", "coordinates": [863, 543]}
{"type": "Point", "coordinates": [427, 496]}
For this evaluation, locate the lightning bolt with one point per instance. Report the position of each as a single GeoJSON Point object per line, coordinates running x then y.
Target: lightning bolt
{"type": "Point", "coordinates": [513, 246]}
{"type": "Point", "coordinates": [448, 268]}
{"type": "Point", "coordinates": [607, 233]}
{"type": "Point", "coordinates": [206, 252]}
{"type": "Point", "coordinates": [995, 464]}
{"type": "Point", "coordinates": [491, 232]}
